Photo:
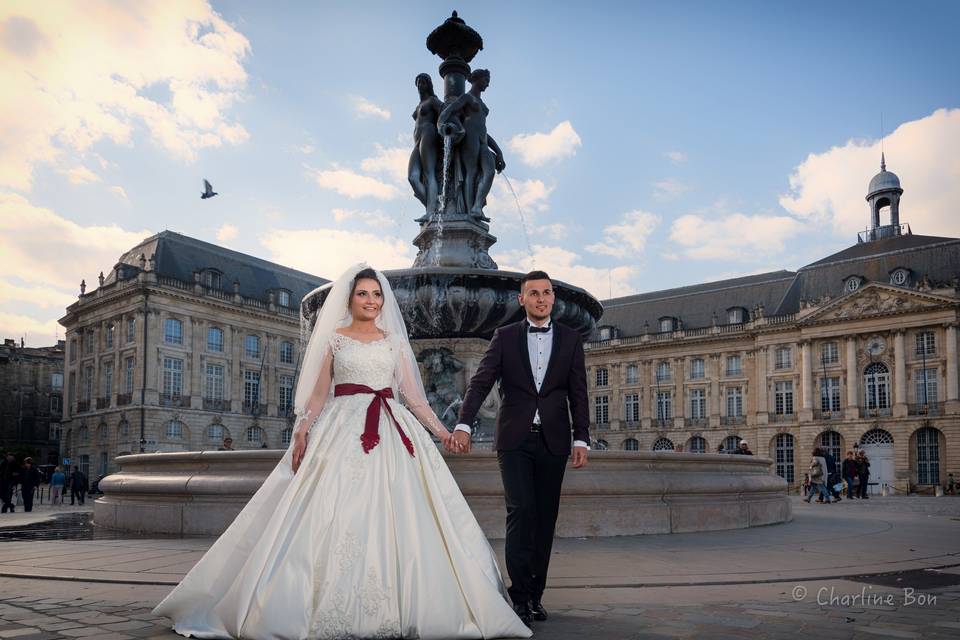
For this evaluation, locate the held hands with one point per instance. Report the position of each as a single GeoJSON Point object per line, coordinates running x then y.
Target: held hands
{"type": "Point", "coordinates": [299, 448]}
{"type": "Point", "coordinates": [579, 458]}
{"type": "Point", "coordinates": [456, 442]}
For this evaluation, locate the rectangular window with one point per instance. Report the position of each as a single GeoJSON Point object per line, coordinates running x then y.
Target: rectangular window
{"type": "Point", "coordinates": [173, 331]}
{"type": "Point", "coordinates": [697, 369]}
{"type": "Point", "coordinates": [128, 375]}
{"type": "Point", "coordinates": [131, 329]}
{"type": "Point", "coordinates": [663, 371]}
{"type": "Point", "coordinates": [603, 377]}
{"type": "Point", "coordinates": [830, 394]}
{"type": "Point", "coordinates": [214, 382]}
{"type": "Point", "coordinates": [698, 404]}
{"type": "Point", "coordinates": [733, 366]}
{"type": "Point", "coordinates": [633, 374]}
{"type": "Point", "coordinates": [631, 407]}
{"type": "Point", "coordinates": [56, 381]}
{"type": "Point", "coordinates": [251, 388]}
{"type": "Point", "coordinates": [88, 343]}
{"type": "Point", "coordinates": [286, 353]}
{"type": "Point", "coordinates": [286, 392]}
{"type": "Point", "coordinates": [926, 343]}
{"type": "Point", "coordinates": [602, 409]}
{"type": "Point", "coordinates": [783, 358]}
{"type": "Point", "coordinates": [172, 377]}
{"type": "Point", "coordinates": [215, 339]}
{"type": "Point", "coordinates": [734, 316]}
{"type": "Point", "coordinates": [107, 379]}
{"type": "Point", "coordinates": [251, 345]}
{"type": "Point", "coordinates": [734, 402]}
{"type": "Point", "coordinates": [87, 383]}
{"type": "Point", "coordinates": [73, 350]}
{"type": "Point", "coordinates": [829, 353]}
{"type": "Point", "coordinates": [926, 386]}
{"type": "Point", "coordinates": [108, 337]}
{"type": "Point", "coordinates": [664, 405]}
{"type": "Point", "coordinates": [783, 398]}
{"type": "Point", "coordinates": [55, 404]}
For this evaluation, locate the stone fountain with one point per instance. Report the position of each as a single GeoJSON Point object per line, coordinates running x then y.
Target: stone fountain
{"type": "Point", "coordinates": [453, 298]}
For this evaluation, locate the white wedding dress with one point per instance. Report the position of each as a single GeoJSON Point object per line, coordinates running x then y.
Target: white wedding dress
{"type": "Point", "coordinates": [354, 545]}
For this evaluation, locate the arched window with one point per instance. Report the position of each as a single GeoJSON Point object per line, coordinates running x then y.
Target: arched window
{"type": "Point", "coordinates": [662, 444]}
{"type": "Point", "coordinates": [124, 429]}
{"type": "Point", "coordinates": [731, 443]}
{"type": "Point", "coordinates": [211, 278]}
{"type": "Point", "coordinates": [216, 432]}
{"type": "Point", "coordinates": [876, 436]}
{"type": "Point", "coordinates": [286, 436]}
{"type": "Point", "coordinates": [783, 450]}
{"type": "Point", "coordinates": [696, 444]}
{"type": "Point", "coordinates": [174, 429]}
{"type": "Point", "coordinates": [254, 434]}
{"type": "Point", "coordinates": [832, 443]}
{"type": "Point", "coordinates": [283, 298]}
{"type": "Point", "coordinates": [631, 444]}
{"type": "Point", "coordinates": [666, 324]}
{"type": "Point", "coordinates": [928, 456]}
{"type": "Point", "coordinates": [876, 386]}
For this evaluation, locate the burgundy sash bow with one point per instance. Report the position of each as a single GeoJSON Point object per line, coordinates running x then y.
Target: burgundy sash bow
{"type": "Point", "coordinates": [371, 429]}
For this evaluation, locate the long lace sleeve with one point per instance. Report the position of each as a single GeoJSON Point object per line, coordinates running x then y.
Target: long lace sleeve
{"type": "Point", "coordinates": [411, 392]}
{"type": "Point", "coordinates": [318, 396]}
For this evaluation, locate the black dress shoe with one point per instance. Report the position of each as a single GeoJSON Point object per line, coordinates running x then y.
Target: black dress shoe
{"type": "Point", "coordinates": [524, 612]}
{"type": "Point", "coordinates": [539, 613]}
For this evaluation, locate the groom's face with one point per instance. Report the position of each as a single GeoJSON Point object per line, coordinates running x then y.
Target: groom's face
{"type": "Point", "coordinates": [537, 299]}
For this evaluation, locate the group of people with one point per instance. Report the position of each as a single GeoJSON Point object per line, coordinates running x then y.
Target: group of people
{"type": "Point", "coordinates": [742, 449]}
{"type": "Point", "coordinates": [826, 479]}
{"type": "Point", "coordinates": [29, 477]}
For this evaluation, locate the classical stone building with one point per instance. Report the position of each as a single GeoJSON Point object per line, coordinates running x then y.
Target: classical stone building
{"type": "Point", "coordinates": [857, 350]}
{"type": "Point", "coordinates": [31, 399]}
{"type": "Point", "coordinates": [184, 343]}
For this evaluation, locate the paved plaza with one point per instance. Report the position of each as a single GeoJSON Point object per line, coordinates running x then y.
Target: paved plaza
{"type": "Point", "coordinates": [887, 567]}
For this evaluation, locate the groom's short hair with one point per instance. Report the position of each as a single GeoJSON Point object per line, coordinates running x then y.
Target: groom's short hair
{"type": "Point", "coordinates": [533, 275]}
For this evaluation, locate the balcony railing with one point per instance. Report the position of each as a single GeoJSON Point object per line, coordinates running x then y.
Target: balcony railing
{"type": "Point", "coordinates": [729, 421]}
{"type": "Point", "coordinates": [103, 403]}
{"type": "Point", "coordinates": [695, 422]}
{"type": "Point", "coordinates": [285, 412]}
{"type": "Point", "coordinates": [83, 405]}
{"type": "Point", "coordinates": [174, 400]}
{"type": "Point", "coordinates": [886, 231]}
{"type": "Point", "coordinates": [663, 423]}
{"type": "Point", "coordinates": [216, 404]}
{"type": "Point", "coordinates": [820, 414]}
{"type": "Point", "coordinates": [124, 398]}
{"type": "Point", "coordinates": [925, 409]}
{"type": "Point", "coordinates": [875, 412]}
{"type": "Point", "coordinates": [253, 408]}
{"type": "Point", "coordinates": [784, 417]}
{"type": "Point", "coordinates": [631, 424]}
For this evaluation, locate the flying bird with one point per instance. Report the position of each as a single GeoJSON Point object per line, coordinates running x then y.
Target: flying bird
{"type": "Point", "coordinates": [208, 191]}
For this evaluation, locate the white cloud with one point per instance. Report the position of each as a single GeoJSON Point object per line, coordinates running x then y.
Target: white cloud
{"type": "Point", "coordinates": [676, 157]}
{"type": "Point", "coordinates": [80, 175]}
{"type": "Point", "coordinates": [734, 236]}
{"type": "Point", "coordinates": [389, 161]}
{"type": "Point", "coordinates": [628, 238]}
{"type": "Point", "coordinates": [227, 233]}
{"type": "Point", "coordinates": [328, 252]}
{"type": "Point", "coordinates": [35, 246]}
{"type": "Point", "coordinates": [120, 192]}
{"type": "Point", "coordinates": [533, 196]}
{"type": "Point", "coordinates": [830, 187]}
{"type": "Point", "coordinates": [565, 265]}
{"type": "Point", "coordinates": [370, 218]}
{"type": "Point", "coordinates": [87, 72]}
{"type": "Point", "coordinates": [305, 148]}
{"type": "Point", "coordinates": [353, 185]}
{"type": "Point", "coordinates": [364, 108]}
{"type": "Point", "coordinates": [669, 189]}
{"type": "Point", "coordinates": [535, 149]}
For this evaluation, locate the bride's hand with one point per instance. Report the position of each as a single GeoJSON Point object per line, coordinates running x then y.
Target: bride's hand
{"type": "Point", "coordinates": [449, 444]}
{"type": "Point", "coordinates": [299, 448]}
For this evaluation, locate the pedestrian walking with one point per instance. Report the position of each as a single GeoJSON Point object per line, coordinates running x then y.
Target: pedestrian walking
{"type": "Point", "coordinates": [818, 476]}
{"type": "Point", "coordinates": [78, 486]}
{"type": "Point", "coordinates": [833, 474]}
{"type": "Point", "coordinates": [849, 469]}
{"type": "Point", "coordinates": [9, 477]}
{"type": "Point", "coordinates": [30, 479]}
{"type": "Point", "coordinates": [863, 473]}
{"type": "Point", "coordinates": [58, 481]}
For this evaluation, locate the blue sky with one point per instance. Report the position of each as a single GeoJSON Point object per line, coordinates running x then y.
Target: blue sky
{"type": "Point", "coordinates": [680, 142]}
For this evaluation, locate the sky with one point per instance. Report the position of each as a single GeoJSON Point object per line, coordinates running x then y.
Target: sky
{"type": "Point", "coordinates": [651, 144]}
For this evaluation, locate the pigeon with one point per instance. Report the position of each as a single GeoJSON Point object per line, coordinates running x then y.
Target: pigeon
{"type": "Point", "coordinates": [208, 191]}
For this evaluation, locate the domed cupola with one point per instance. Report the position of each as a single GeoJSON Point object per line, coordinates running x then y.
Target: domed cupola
{"type": "Point", "coordinates": [884, 191]}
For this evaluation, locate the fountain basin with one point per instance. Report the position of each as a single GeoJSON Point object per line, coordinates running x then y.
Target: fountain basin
{"type": "Point", "coordinates": [618, 493]}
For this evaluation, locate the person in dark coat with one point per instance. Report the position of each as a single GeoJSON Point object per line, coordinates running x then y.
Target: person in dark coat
{"type": "Point", "coordinates": [833, 475]}
{"type": "Point", "coordinates": [9, 477]}
{"type": "Point", "coordinates": [743, 449]}
{"type": "Point", "coordinates": [849, 469]}
{"type": "Point", "coordinates": [78, 486]}
{"type": "Point", "coordinates": [30, 479]}
{"type": "Point", "coordinates": [863, 472]}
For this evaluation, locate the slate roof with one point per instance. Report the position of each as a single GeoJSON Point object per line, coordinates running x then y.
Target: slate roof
{"type": "Point", "coordinates": [178, 256]}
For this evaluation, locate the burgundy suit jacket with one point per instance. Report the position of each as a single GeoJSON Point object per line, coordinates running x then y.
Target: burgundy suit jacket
{"type": "Point", "coordinates": [562, 400]}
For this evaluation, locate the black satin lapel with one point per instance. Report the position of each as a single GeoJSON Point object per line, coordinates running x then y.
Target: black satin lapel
{"type": "Point", "coordinates": [554, 351]}
{"type": "Point", "coordinates": [525, 354]}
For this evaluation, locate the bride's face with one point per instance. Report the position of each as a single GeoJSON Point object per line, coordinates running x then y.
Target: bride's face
{"type": "Point", "coordinates": [366, 301]}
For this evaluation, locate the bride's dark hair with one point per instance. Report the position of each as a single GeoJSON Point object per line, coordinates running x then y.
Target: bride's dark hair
{"type": "Point", "coordinates": [363, 274]}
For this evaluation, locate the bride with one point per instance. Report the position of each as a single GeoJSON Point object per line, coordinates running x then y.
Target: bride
{"type": "Point", "coordinates": [361, 530]}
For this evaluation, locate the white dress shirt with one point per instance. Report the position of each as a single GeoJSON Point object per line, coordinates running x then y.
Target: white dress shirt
{"type": "Point", "coordinates": [539, 348]}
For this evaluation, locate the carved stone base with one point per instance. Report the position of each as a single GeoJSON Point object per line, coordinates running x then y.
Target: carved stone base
{"type": "Point", "coordinates": [455, 241]}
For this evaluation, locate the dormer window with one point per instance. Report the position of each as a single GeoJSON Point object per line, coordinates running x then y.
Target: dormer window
{"type": "Point", "coordinates": [736, 315]}
{"type": "Point", "coordinates": [851, 284]}
{"type": "Point", "coordinates": [283, 297]}
{"type": "Point", "coordinates": [667, 324]}
{"type": "Point", "coordinates": [899, 277]}
{"type": "Point", "coordinates": [212, 279]}
{"type": "Point", "coordinates": [605, 333]}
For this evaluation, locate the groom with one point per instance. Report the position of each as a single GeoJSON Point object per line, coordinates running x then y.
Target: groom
{"type": "Point", "coordinates": [543, 383]}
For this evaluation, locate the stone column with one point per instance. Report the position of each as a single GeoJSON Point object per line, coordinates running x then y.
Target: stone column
{"type": "Point", "coordinates": [950, 332]}
{"type": "Point", "coordinates": [806, 371]}
{"type": "Point", "coordinates": [647, 394]}
{"type": "Point", "coordinates": [234, 383]}
{"type": "Point", "coordinates": [899, 375]}
{"type": "Point", "coordinates": [196, 362]}
{"type": "Point", "coordinates": [760, 384]}
{"type": "Point", "coordinates": [713, 374]}
{"type": "Point", "coordinates": [852, 409]}
{"type": "Point", "coordinates": [680, 408]}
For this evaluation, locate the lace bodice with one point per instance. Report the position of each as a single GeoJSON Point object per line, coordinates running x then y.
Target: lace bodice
{"type": "Point", "coordinates": [368, 363]}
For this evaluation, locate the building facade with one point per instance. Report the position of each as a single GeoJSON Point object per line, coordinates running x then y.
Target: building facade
{"type": "Point", "coordinates": [31, 400]}
{"type": "Point", "coordinates": [855, 351]}
{"type": "Point", "coordinates": [184, 344]}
